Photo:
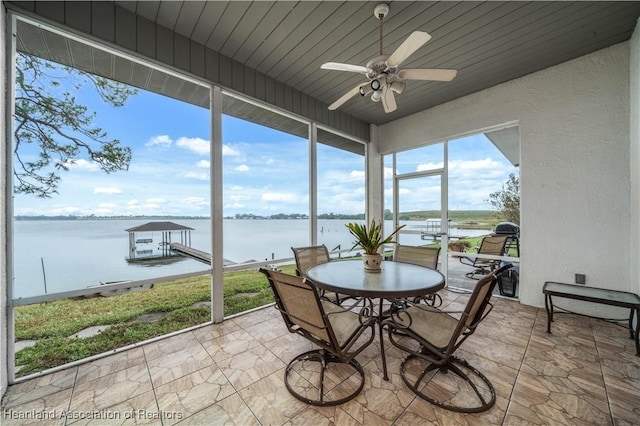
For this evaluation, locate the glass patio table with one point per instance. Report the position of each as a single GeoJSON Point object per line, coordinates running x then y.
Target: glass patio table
{"type": "Point", "coordinates": [396, 280]}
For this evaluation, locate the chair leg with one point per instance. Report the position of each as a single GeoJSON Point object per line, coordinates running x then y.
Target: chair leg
{"type": "Point", "coordinates": [325, 391]}
{"type": "Point", "coordinates": [437, 385]}
{"type": "Point", "coordinates": [434, 300]}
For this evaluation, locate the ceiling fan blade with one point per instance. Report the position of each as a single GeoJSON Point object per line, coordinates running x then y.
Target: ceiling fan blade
{"type": "Point", "coordinates": [406, 49]}
{"type": "Point", "coordinates": [336, 66]}
{"type": "Point", "coordinates": [344, 98]}
{"type": "Point", "coordinates": [427, 74]}
{"type": "Point", "coordinates": [388, 99]}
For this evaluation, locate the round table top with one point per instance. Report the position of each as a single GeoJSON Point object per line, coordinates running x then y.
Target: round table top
{"type": "Point", "coordinates": [397, 279]}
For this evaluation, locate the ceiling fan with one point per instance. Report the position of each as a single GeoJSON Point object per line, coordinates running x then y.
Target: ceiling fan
{"type": "Point", "coordinates": [385, 77]}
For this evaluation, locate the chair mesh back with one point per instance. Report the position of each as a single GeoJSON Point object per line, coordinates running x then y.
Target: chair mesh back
{"type": "Point", "coordinates": [306, 257]}
{"type": "Point", "coordinates": [299, 304]}
{"type": "Point", "coordinates": [493, 245]}
{"type": "Point", "coordinates": [422, 256]}
{"type": "Point", "coordinates": [480, 297]}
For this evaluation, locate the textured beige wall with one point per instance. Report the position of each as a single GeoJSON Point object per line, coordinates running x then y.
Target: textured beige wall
{"type": "Point", "coordinates": [634, 76]}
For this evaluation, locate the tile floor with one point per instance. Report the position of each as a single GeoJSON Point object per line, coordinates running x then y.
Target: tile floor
{"type": "Point", "coordinates": [585, 373]}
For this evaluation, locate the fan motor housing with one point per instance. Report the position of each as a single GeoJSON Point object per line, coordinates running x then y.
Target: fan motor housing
{"type": "Point", "coordinates": [377, 66]}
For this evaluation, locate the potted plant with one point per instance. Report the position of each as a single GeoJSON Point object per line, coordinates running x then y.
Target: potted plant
{"type": "Point", "coordinates": [371, 240]}
{"type": "Point", "coordinates": [460, 245]}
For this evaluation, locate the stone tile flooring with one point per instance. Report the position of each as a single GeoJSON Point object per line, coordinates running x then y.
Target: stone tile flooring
{"type": "Point", "coordinates": [585, 373]}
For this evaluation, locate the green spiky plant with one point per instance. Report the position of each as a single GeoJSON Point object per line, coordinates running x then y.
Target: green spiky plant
{"type": "Point", "coordinates": [370, 239]}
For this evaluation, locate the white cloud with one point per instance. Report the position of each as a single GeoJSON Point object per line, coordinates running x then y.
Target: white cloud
{"type": "Point", "coordinates": [160, 140]}
{"type": "Point", "coordinates": [104, 209]}
{"type": "Point", "coordinates": [341, 178]}
{"type": "Point", "coordinates": [132, 202]}
{"type": "Point", "coordinates": [279, 196]}
{"type": "Point", "coordinates": [234, 206]}
{"type": "Point", "coordinates": [197, 145]}
{"type": "Point", "coordinates": [239, 196]}
{"type": "Point", "coordinates": [429, 166]}
{"type": "Point", "coordinates": [388, 172]}
{"type": "Point", "coordinates": [242, 168]}
{"type": "Point", "coordinates": [106, 190]}
{"type": "Point", "coordinates": [228, 151]}
{"type": "Point", "coordinates": [63, 210]}
{"type": "Point", "coordinates": [196, 175]}
{"type": "Point", "coordinates": [155, 200]}
{"type": "Point", "coordinates": [487, 167]}
{"type": "Point", "coordinates": [195, 201]}
{"type": "Point", "coordinates": [107, 205]}
{"type": "Point", "coordinates": [82, 165]}
{"type": "Point", "coordinates": [203, 164]}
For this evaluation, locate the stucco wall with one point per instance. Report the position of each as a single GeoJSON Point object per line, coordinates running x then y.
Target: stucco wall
{"type": "Point", "coordinates": [634, 128]}
{"type": "Point", "coordinates": [575, 170]}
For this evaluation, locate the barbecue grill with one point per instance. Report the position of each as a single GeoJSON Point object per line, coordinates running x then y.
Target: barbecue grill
{"type": "Point", "coordinates": [508, 282]}
{"type": "Point", "coordinates": [507, 228]}
{"type": "Point", "coordinates": [512, 231]}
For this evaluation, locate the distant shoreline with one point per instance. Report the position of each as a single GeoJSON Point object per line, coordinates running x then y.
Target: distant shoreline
{"type": "Point", "coordinates": [43, 217]}
{"type": "Point", "coordinates": [465, 214]}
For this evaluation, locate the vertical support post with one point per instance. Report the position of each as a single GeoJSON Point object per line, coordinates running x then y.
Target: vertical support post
{"type": "Point", "coordinates": [444, 213]}
{"type": "Point", "coordinates": [313, 183]}
{"type": "Point", "coordinates": [8, 36]}
{"type": "Point", "coordinates": [374, 179]}
{"type": "Point", "coordinates": [217, 261]}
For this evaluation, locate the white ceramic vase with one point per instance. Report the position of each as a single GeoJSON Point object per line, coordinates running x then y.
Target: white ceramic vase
{"type": "Point", "coordinates": [372, 262]}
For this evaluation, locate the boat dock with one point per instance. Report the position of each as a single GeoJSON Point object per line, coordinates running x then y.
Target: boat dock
{"type": "Point", "coordinates": [196, 254]}
{"type": "Point", "coordinates": [191, 252]}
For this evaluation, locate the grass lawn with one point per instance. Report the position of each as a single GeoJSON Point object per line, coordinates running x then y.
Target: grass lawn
{"type": "Point", "coordinates": [176, 304]}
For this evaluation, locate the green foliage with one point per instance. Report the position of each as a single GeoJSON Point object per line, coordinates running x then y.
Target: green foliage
{"type": "Point", "coordinates": [53, 323]}
{"type": "Point", "coordinates": [59, 350]}
{"type": "Point", "coordinates": [61, 128]}
{"type": "Point", "coordinates": [370, 239]}
{"type": "Point", "coordinates": [507, 200]}
{"type": "Point", "coordinates": [462, 244]}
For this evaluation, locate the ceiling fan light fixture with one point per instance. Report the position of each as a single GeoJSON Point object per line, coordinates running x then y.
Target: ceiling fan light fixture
{"type": "Point", "coordinates": [398, 86]}
{"type": "Point", "coordinates": [376, 96]}
{"type": "Point", "coordinates": [375, 84]}
{"type": "Point", "coordinates": [364, 90]}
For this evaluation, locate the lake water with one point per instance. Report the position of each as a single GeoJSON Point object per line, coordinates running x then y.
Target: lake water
{"type": "Point", "coordinates": [75, 254]}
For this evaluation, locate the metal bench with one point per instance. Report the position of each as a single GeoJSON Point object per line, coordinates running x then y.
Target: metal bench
{"type": "Point", "coordinates": [596, 295]}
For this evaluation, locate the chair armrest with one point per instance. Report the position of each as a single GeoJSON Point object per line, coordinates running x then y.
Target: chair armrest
{"type": "Point", "coordinates": [363, 308]}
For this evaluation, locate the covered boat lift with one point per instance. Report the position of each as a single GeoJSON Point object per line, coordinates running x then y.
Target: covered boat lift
{"type": "Point", "coordinates": [166, 230]}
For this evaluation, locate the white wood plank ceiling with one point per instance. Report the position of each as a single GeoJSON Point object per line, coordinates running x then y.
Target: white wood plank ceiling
{"type": "Point", "coordinates": [488, 42]}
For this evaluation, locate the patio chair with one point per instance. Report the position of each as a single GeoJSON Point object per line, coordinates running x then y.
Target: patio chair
{"type": "Point", "coordinates": [430, 369]}
{"type": "Point", "coordinates": [491, 245]}
{"type": "Point", "coordinates": [306, 257]}
{"type": "Point", "coordinates": [418, 255]}
{"type": "Point", "coordinates": [341, 334]}
{"type": "Point", "coordinates": [422, 256]}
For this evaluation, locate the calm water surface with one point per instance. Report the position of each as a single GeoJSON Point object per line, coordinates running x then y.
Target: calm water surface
{"type": "Point", "coordinates": [76, 254]}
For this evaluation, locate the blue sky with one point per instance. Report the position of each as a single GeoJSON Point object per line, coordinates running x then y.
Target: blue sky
{"type": "Point", "coordinates": [265, 171]}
